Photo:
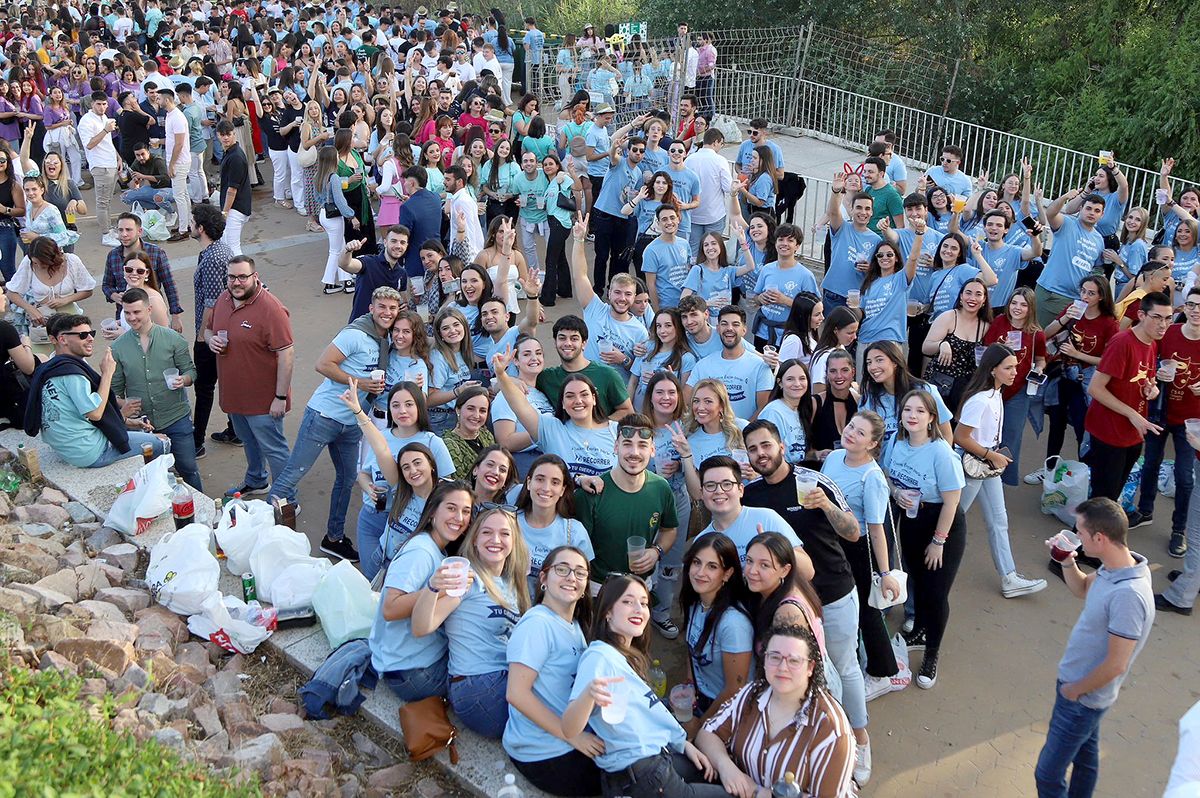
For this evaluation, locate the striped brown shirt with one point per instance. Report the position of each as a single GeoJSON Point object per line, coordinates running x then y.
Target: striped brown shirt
{"type": "Point", "coordinates": [818, 746]}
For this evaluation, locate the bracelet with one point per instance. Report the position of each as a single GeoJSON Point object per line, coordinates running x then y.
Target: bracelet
{"type": "Point", "coordinates": [431, 588]}
{"type": "Point", "coordinates": [659, 549]}
{"type": "Point", "coordinates": [281, 398]}
{"type": "Point", "coordinates": [685, 457]}
{"type": "Point", "coordinates": [533, 296]}
{"type": "Point", "coordinates": [837, 191]}
{"type": "Point", "coordinates": [938, 541]}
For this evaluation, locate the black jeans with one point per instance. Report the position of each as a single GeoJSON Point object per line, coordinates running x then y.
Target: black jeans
{"type": "Point", "coordinates": [558, 271]}
{"type": "Point", "coordinates": [931, 589]}
{"type": "Point", "coordinates": [881, 660]}
{"type": "Point", "coordinates": [205, 385]}
{"type": "Point", "coordinates": [570, 775]}
{"type": "Point", "coordinates": [665, 775]}
{"type": "Point", "coordinates": [1071, 409]}
{"type": "Point", "coordinates": [1110, 467]}
{"type": "Point", "coordinates": [614, 239]}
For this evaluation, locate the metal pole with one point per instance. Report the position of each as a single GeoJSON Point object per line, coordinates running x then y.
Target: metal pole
{"type": "Point", "coordinates": [802, 42]}
{"type": "Point", "coordinates": [679, 75]}
{"type": "Point", "coordinates": [946, 105]}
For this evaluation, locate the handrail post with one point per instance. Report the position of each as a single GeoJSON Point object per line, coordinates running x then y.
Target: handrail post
{"type": "Point", "coordinates": [802, 43]}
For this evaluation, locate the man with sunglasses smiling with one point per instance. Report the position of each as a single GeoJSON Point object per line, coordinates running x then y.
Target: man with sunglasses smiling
{"type": "Point", "coordinates": [948, 175]}
{"type": "Point", "coordinates": [758, 138]}
{"type": "Point", "coordinates": [74, 408]}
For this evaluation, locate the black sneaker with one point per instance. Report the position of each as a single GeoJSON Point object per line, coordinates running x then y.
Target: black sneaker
{"type": "Point", "coordinates": [1055, 567]}
{"type": "Point", "coordinates": [247, 491]}
{"type": "Point", "coordinates": [1160, 602]}
{"type": "Point", "coordinates": [927, 676]}
{"type": "Point", "coordinates": [1138, 518]}
{"type": "Point", "coordinates": [1177, 548]}
{"type": "Point", "coordinates": [1083, 559]}
{"type": "Point", "coordinates": [915, 640]}
{"type": "Point", "coordinates": [666, 627]}
{"type": "Point", "coordinates": [201, 452]}
{"type": "Point", "coordinates": [342, 549]}
{"type": "Point", "coordinates": [1171, 577]}
{"type": "Point", "coordinates": [226, 436]}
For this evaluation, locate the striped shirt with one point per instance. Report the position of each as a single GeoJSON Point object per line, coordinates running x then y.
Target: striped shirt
{"type": "Point", "coordinates": [818, 746]}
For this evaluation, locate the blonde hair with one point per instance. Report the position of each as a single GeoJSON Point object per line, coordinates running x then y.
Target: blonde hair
{"type": "Point", "coordinates": [733, 436]}
{"type": "Point", "coordinates": [516, 564]}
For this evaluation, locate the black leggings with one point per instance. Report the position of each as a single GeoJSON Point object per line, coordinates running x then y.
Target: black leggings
{"type": "Point", "coordinates": [1071, 408]}
{"type": "Point", "coordinates": [1110, 466]}
{"type": "Point", "coordinates": [572, 774]}
{"type": "Point", "coordinates": [931, 589]}
{"type": "Point", "coordinates": [557, 282]}
{"type": "Point", "coordinates": [881, 660]}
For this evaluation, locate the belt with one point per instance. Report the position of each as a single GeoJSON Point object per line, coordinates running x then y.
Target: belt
{"type": "Point", "coordinates": [458, 678]}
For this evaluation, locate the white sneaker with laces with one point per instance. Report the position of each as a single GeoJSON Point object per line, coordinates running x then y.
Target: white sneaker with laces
{"type": "Point", "coordinates": [908, 625]}
{"type": "Point", "coordinates": [862, 764]}
{"type": "Point", "coordinates": [1014, 585]}
{"type": "Point", "coordinates": [877, 686]}
{"type": "Point", "coordinates": [1036, 477]}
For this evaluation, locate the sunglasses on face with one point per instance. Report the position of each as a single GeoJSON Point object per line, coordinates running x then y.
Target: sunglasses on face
{"type": "Point", "coordinates": [493, 130]}
{"type": "Point", "coordinates": [82, 335]}
{"type": "Point", "coordinates": [628, 433]}
{"type": "Point", "coordinates": [136, 270]}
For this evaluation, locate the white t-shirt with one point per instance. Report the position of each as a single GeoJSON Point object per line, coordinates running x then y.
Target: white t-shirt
{"type": "Point", "coordinates": [104, 154]}
{"type": "Point", "coordinates": [716, 183]}
{"type": "Point", "coordinates": [176, 125]}
{"type": "Point", "coordinates": [984, 412]}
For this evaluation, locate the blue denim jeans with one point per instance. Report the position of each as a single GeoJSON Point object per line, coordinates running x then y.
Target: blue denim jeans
{"type": "Point", "coordinates": [149, 198]}
{"type": "Point", "coordinates": [264, 443]}
{"type": "Point", "coordinates": [136, 441]}
{"type": "Point", "coordinates": [995, 519]}
{"type": "Point", "coordinates": [183, 446]}
{"type": "Point", "coordinates": [670, 568]}
{"type": "Point", "coordinates": [417, 683]}
{"type": "Point", "coordinates": [8, 252]}
{"type": "Point", "coordinates": [316, 433]}
{"type": "Point", "coordinates": [1072, 739]}
{"type": "Point", "coordinates": [1184, 458]}
{"type": "Point", "coordinates": [480, 703]}
{"type": "Point", "coordinates": [1182, 592]}
{"type": "Point", "coordinates": [371, 524]}
{"type": "Point", "coordinates": [831, 300]}
{"type": "Point", "coordinates": [841, 641]}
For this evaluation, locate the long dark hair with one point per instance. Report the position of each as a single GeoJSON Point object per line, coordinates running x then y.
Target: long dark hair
{"type": "Point", "coordinates": [807, 408]}
{"type": "Point", "coordinates": [418, 396]}
{"type": "Point", "coordinates": [799, 320]}
{"type": "Point", "coordinates": [731, 596]}
{"type": "Point", "coordinates": [762, 610]}
{"type": "Point", "coordinates": [984, 313]}
{"type": "Point", "coordinates": [1106, 306]}
{"type": "Point", "coordinates": [903, 382]}
{"type": "Point", "coordinates": [637, 653]}
{"type": "Point", "coordinates": [597, 414]}
{"type": "Point", "coordinates": [768, 219]}
{"type": "Point", "coordinates": [509, 480]}
{"type": "Point", "coordinates": [835, 321]}
{"type": "Point", "coordinates": [678, 349]}
{"type": "Point", "coordinates": [874, 270]}
{"type": "Point", "coordinates": [566, 502]}
{"type": "Point", "coordinates": [982, 380]}
{"type": "Point", "coordinates": [443, 489]}
{"type": "Point", "coordinates": [816, 682]}
{"type": "Point", "coordinates": [404, 491]}
{"type": "Point", "coordinates": [583, 607]}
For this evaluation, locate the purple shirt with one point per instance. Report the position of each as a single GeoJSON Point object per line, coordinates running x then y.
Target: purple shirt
{"type": "Point", "coordinates": [8, 127]}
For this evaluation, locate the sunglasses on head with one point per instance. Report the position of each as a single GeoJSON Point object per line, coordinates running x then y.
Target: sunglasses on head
{"type": "Point", "coordinates": [628, 433]}
{"type": "Point", "coordinates": [508, 508]}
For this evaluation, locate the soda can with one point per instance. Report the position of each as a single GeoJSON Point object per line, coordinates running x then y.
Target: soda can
{"type": "Point", "coordinates": [249, 589]}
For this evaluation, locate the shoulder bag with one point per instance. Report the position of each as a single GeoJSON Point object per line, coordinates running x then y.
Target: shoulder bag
{"type": "Point", "coordinates": [876, 597]}
{"type": "Point", "coordinates": [427, 729]}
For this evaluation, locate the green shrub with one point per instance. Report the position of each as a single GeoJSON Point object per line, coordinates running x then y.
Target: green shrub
{"type": "Point", "coordinates": [50, 746]}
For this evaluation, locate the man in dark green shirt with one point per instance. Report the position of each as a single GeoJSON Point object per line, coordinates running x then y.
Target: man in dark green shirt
{"type": "Point", "coordinates": [631, 502]}
{"type": "Point", "coordinates": [570, 334]}
{"type": "Point", "coordinates": [886, 200]}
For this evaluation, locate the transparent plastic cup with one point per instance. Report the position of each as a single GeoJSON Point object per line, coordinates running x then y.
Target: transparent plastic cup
{"type": "Point", "coordinates": [172, 379]}
{"type": "Point", "coordinates": [804, 486]}
{"type": "Point", "coordinates": [614, 713]}
{"type": "Point", "coordinates": [853, 298]}
{"type": "Point", "coordinates": [682, 697]}
{"type": "Point", "coordinates": [462, 568]}
{"type": "Point", "coordinates": [913, 496]}
{"type": "Point", "coordinates": [636, 546]}
{"type": "Point", "coordinates": [1064, 543]}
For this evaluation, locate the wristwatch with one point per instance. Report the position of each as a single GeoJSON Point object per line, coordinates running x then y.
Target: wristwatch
{"type": "Point", "coordinates": [658, 548]}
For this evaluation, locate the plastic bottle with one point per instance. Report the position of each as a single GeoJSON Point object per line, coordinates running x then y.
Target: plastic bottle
{"type": "Point", "coordinates": [183, 506]}
{"type": "Point", "coordinates": [220, 555]}
{"type": "Point", "coordinates": [235, 505]}
{"type": "Point", "coordinates": [10, 483]}
{"type": "Point", "coordinates": [658, 679]}
{"type": "Point", "coordinates": [786, 787]}
{"type": "Point", "coordinates": [510, 788]}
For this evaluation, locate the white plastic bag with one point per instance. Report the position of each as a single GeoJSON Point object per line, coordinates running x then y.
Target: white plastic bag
{"type": "Point", "coordinates": [903, 677]}
{"type": "Point", "coordinates": [154, 226]}
{"type": "Point", "coordinates": [226, 621]}
{"type": "Point", "coordinates": [345, 604]}
{"type": "Point", "coordinates": [1065, 486]}
{"type": "Point", "coordinates": [237, 535]}
{"type": "Point", "coordinates": [277, 552]}
{"type": "Point", "coordinates": [146, 496]}
{"type": "Point", "coordinates": [183, 574]}
{"type": "Point", "coordinates": [1166, 479]}
{"type": "Point", "coordinates": [728, 127]}
{"type": "Point", "coordinates": [293, 587]}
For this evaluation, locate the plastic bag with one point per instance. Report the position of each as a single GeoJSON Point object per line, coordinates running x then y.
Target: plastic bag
{"type": "Point", "coordinates": [146, 496]}
{"type": "Point", "coordinates": [154, 226]}
{"type": "Point", "coordinates": [1166, 479]}
{"type": "Point", "coordinates": [183, 574]}
{"type": "Point", "coordinates": [237, 534]}
{"type": "Point", "coordinates": [1129, 491]}
{"type": "Point", "coordinates": [294, 586]}
{"type": "Point", "coordinates": [728, 127]}
{"type": "Point", "coordinates": [345, 604]}
{"type": "Point", "coordinates": [279, 551]}
{"type": "Point", "coordinates": [1065, 486]}
{"type": "Point", "coordinates": [232, 624]}
{"type": "Point", "coordinates": [903, 677]}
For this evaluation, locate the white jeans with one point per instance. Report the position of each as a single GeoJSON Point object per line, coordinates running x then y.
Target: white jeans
{"type": "Point", "coordinates": [234, 222]}
{"type": "Point", "coordinates": [279, 172]}
{"type": "Point", "coordinates": [995, 519]}
{"type": "Point", "coordinates": [183, 201]}
{"type": "Point", "coordinates": [197, 180]}
{"type": "Point", "coordinates": [296, 173]}
{"type": "Point", "coordinates": [506, 75]}
{"type": "Point", "coordinates": [335, 228]}
{"type": "Point", "coordinates": [529, 233]}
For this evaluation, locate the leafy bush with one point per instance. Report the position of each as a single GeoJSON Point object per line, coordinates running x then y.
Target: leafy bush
{"type": "Point", "coordinates": [51, 746]}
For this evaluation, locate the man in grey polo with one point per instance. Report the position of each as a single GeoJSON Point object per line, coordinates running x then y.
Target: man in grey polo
{"type": "Point", "coordinates": [1118, 611]}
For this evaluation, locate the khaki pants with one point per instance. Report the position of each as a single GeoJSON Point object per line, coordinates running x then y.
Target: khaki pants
{"type": "Point", "coordinates": [105, 183]}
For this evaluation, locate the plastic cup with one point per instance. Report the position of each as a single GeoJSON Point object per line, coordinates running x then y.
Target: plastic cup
{"type": "Point", "coordinates": [1013, 339]}
{"type": "Point", "coordinates": [682, 697]}
{"type": "Point", "coordinates": [614, 713]}
{"type": "Point", "coordinates": [606, 346]}
{"type": "Point", "coordinates": [1192, 425]}
{"type": "Point", "coordinates": [377, 374]}
{"type": "Point", "coordinates": [417, 284]}
{"type": "Point", "coordinates": [453, 286]}
{"type": "Point", "coordinates": [1064, 543]}
{"type": "Point", "coordinates": [1106, 158]}
{"type": "Point", "coordinates": [853, 298]}
{"type": "Point", "coordinates": [915, 308]}
{"type": "Point", "coordinates": [462, 568]}
{"type": "Point", "coordinates": [958, 203]}
{"type": "Point", "coordinates": [1161, 196]}
{"type": "Point", "coordinates": [412, 373]}
{"type": "Point", "coordinates": [804, 486]}
{"type": "Point", "coordinates": [1080, 305]}
{"type": "Point", "coordinates": [170, 377]}
{"type": "Point", "coordinates": [1168, 368]}
{"type": "Point", "coordinates": [913, 496]}
{"type": "Point", "coordinates": [742, 456]}
{"type": "Point", "coordinates": [979, 350]}
{"type": "Point", "coordinates": [223, 337]}
{"type": "Point", "coordinates": [110, 325]}
{"type": "Point", "coordinates": [636, 546]}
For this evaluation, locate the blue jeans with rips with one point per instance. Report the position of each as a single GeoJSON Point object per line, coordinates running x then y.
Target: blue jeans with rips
{"type": "Point", "coordinates": [317, 433]}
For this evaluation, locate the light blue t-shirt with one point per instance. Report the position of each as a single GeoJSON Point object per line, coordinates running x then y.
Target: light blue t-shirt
{"type": "Point", "coordinates": [896, 170]}
{"type": "Point", "coordinates": [669, 263]}
{"type": "Point", "coordinates": [648, 726]}
{"type": "Point", "coordinates": [362, 357]}
{"type": "Point", "coordinates": [788, 282]}
{"type": "Point", "coordinates": [502, 411]}
{"type": "Point", "coordinates": [533, 193]}
{"type": "Point", "coordinates": [795, 441]}
{"type": "Point", "coordinates": [587, 452]}
{"type": "Point", "coordinates": [404, 527]}
{"type": "Point", "coordinates": [488, 346]}
{"type": "Point", "coordinates": [931, 468]}
{"type": "Point", "coordinates": [598, 141]}
{"type": "Point", "coordinates": [710, 444]}
{"type": "Point", "coordinates": [921, 287]}
{"type": "Point", "coordinates": [743, 377]}
{"type": "Point", "coordinates": [745, 527]}
{"type": "Point", "coordinates": [734, 634]}
{"type": "Point", "coordinates": [621, 185]}
{"type": "Point", "coordinates": [542, 541]}
{"type": "Point", "coordinates": [624, 335]}
{"type": "Point", "coordinates": [763, 188]}
{"type": "Point", "coordinates": [747, 147]}
{"type": "Point", "coordinates": [714, 285]}
{"type": "Point", "coordinates": [1114, 211]}
{"type": "Point", "coordinates": [1071, 258]}
{"type": "Point", "coordinates": [947, 283]}
{"type": "Point", "coordinates": [1185, 261]}
{"type": "Point", "coordinates": [1007, 263]}
{"type": "Point", "coordinates": [643, 369]}
{"type": "Point", "coordinates": [559, 188]}
{"type": "Point", "coordinates": [478, 629]}
{"type": "Point", "coordinates": [712, 346]}
{"type": "Point", "coordinates": [957, 183]}
{"type": "Point", "coordinates": [551, 647]}
{"type": "Point", "coordinates": [664, 448]}
{"type": "Point", "coordinates": [393, 645]}
{"type": "Point", "coordinates": [686, 187]}
{"type": "Point", "coordinates": [886, 408]}
{"type": "Point", "coordinates": [447, 378]}
{"type": "Point", "coordinates": [847, 247]}
{"type": "Point", "coordinates": [865, 488]}
{"type": "Point", "coordinates": [535, 40]}
{"type": "Point", "coordinates": [65, 401]}
{"type": "Point", "coordinates": [397, 366]}
{"type": "Point", "coordinates": [370, 463]}
{"type": "Point", "coordinates": [885, 310]}
{"type": "Point", "coordinates": [1135, 254]}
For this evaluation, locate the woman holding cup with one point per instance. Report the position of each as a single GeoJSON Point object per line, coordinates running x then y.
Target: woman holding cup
{"type": "Point", "coordinates": [934, 540]}
{"type": "Point", "coordinates": [476, 603]}
{"type": "Point", "coordinates": [1017, 328]}
{"type": "Point", "coordinates": [408, 361]}
{"type": "Point", "coordinates": [885, 291]}
{"type": "Point", "coordinates": [646, 752]}
{"type": "Point", "coordinates": [48, 281]}
{"type": "Point", "coordinates": [954, 343]}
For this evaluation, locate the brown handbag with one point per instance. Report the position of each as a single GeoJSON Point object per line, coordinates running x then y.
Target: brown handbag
{"type": "Point", "coordinates": [427, 729]}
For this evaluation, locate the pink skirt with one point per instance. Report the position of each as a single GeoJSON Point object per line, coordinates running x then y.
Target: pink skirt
{"type": "Point", "coordinates": [389, 212]}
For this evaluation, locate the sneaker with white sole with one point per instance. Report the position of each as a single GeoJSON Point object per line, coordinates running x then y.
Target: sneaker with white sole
{"type": "Point", "coordinates": [665, 627]}
{"type": "Point", "coordinates": [927, 676]}
{"type": "Point", "coordinates": [908, 625]}
{"type": "Point", "coordinates": [1014, 585]}
{"type": "Point", "coordinates": [1036, 477]}
{"type": "Point", "coordinates": [877, 686]}
{"type": "Point", "coordinates": [862, 764]}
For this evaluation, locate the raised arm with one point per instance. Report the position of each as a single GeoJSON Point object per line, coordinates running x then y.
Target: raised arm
{"type": "Point", "coordinates": [986, 272]}
{"type": "Point", "coordinates": [834, 211]}
{"type": "Point", "coordinates": [914, 256]}
{"type": "Point", "coordinates": [585, 292]}
{"type": "Point", "coordinates": [514, 392]}
{"type": "Point", "coordinates": [372, 434]}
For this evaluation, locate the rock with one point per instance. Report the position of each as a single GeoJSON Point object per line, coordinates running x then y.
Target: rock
{"type": "Point", "coordinates": [373, 755]}
{"type": "Point", "coordinates": [115, 575]}
{"type": "Point", "coordinates": [154, 642]}
{"type": "Point", "coordinates": [115, 631]}
{"type": "Point", "coordinates": [37, 530]}
{"type": "Point", "coordinates": [99, 609]}
{"type": "Point", "coordinates": [351, 787]}
{"type": "Point", "coordinates": [319, 757]}
{"type": "Point", "coordinates": [156, 704]}
{"type": "Point", "coordinates": [107, 654]}
{"type": "Point", "coordinates": [279, 723]}
{"type": "Point", "coordinates": [53, 496]}
{"type": "Point", "coordinates": [126, 599]}
{"type": "Point", "coordinates": [29, 557]}
{"type": "Point", "coordinates": [206, 715]}
{"type": "Point", "coordinates": [391, 778]}
{"type": "Point", "coordinates": [428, 788]}
{"type": "Point", "coordinates": [74, 556]}
{"type": "Point", "coordinates": [282, 706]}
{"type": "Point", "coordinates": [169, 738]}
{"type": "Point", "coordinates": [122, 555]}
{"type": "Point", "coordinates": [137, 676]}
{"type": "Point", "coordinates": [102, 538]}
{"type": "Point", "coordinates": [156, 619]}
{"type": "Point", "coordinates": [234, 664]}
{"type": "Point", "coordinates": [63, 581]}
{"type": "Point", "coordinates": [26, 494]}
{"type": "Point", "coordinates": [53, 661]}
{"type": "Point", "coordinates": [225, 687]}
{"type": "Point", "coordinates": [93, 688]}
{"type": "Point", "coordinates": [11, 633]}
{"type": "Point", "coordinates": [10, 574]}
{"type": "Point", "coordinates": [49, 630]}
{"type": "Point", "coordinates": [50, 514]}
{"type": "Point", "coordinates": [6, 506]}
{"type": "Point", "coordinates": [193, 662]}
{"type": "Point", "coordinates": [259, 754]}
{"type": "Point", "coordinates": [91, 578]}
{"type": "Point", "coordinates": [239, 721]}
{"type": "Point", "coordinates": [48, 545]}
{"type": "Point", "coordinates": [214, 749]}
{"type": "Point", "coordinates": [79, 513]}
{"type": "Point", "coordinates": [48, 600]}
{"type": "Point", "coordinates": [19, 604]}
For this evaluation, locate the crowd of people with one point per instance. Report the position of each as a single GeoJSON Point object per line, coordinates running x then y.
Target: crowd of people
{"type": "Point", "coordinates": [776, 462]}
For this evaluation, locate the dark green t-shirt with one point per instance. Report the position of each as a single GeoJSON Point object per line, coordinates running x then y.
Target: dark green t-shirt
{"type": "Point", "coordinates": [886, 202]}
{"type": "Point", "coordinates": [609, 387]}
{"type": "Point", "coordinates": [614, 516]}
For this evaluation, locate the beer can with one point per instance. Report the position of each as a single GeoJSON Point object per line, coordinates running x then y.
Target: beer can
{"type": "Point", "coordinates": [249, 589]}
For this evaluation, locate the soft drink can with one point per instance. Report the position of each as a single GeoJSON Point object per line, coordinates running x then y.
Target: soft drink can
{"type": "Point", "coordinates": [249, 589]}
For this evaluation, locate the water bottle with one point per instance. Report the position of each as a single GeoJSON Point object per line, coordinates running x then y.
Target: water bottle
{"type": "Point", "coordinates": [658, 679]}
{"type": "Point", "coordinates": [10, 483]}
{"type": "Point", "coordinates": [786, 787]}
{"type": "Point", "coordinates": [510, 788]}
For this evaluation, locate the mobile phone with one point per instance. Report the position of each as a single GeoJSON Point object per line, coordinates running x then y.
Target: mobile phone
{"type": "Point", "coordinates": [1036, 377]}
{"type": "Point", "coordinates": [1030, 223]}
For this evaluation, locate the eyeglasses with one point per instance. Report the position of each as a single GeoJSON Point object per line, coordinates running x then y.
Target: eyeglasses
{"type": "Point", "coordinates": [564, 570]}
{"type": "Point", "coordinates": [1191, 305]}
{"type": "Point", "coordinates": [136, 270]}
{"type": "Point", "coordinates": [240, 278]}
{"type": "Point", "coordinates": [724, 486]}
{"type": "Point", "coordinates": [775, 660]}
{"type": "Point", "coordinates": [628, 433]}
{"type": "Point", "coordinates": [508, 508]}
{"type": "Point", "coordinates": [1158, 317]}
{"type": "Point", "coordinates": [82, 335]}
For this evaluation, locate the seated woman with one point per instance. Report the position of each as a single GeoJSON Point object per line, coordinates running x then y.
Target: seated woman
{"type": "Point", "coordinates": [477, 624]}
{"type": "Point", "coordinates": [543, 654]}
{"type": "Point", "coordinates": [788, 705]}
{"type": "Point", "coordinates": [493, 478]}
{"type": "Point", "coordinates": [470, 435]}
{"type": "Point", "coordinates": [546, 514]}
{"type": "Point", "coordinates": [510, 433]}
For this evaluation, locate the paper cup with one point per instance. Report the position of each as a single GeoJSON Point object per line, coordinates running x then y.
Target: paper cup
{"type": "Point", "coordinates": [462, 567]}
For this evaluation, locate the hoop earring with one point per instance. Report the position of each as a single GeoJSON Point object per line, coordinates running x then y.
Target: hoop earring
{"type": "Point", "coordinates": [543, 588]}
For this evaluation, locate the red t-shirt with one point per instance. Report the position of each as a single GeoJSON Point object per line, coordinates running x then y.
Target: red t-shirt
{"type": "Point", "coordinates": [1181, 403]}
{"type": "Point", "coordinates": [1130, 365]}
{"type": "Point", "coordinates": [1090, 336]}
{"type": "Point", "coordinates": [258, 330]}
{"type": "Point", "coordinates": [1032, 347]}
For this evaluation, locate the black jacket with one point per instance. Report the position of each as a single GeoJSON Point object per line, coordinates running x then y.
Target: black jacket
{"type": "Point", "coordinates": [111, 423]}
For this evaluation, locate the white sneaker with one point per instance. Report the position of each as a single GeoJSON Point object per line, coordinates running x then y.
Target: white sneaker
{"type": "Point", "coordinates": [907, 626]}
{"type": "Point", "coordinates": [110, 239]}
{"type": "Point", "coordinates": [1014, 585]}
{"type": "Point", "coordinates": [862, 764]}
{"type": "Point", "coordinates": [1036, 477]}
{"type": "Point", "coordinates": [877, 686]}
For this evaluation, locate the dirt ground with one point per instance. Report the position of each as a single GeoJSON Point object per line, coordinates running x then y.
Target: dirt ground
{"type": "Point", "coordinates": [977, 733]}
